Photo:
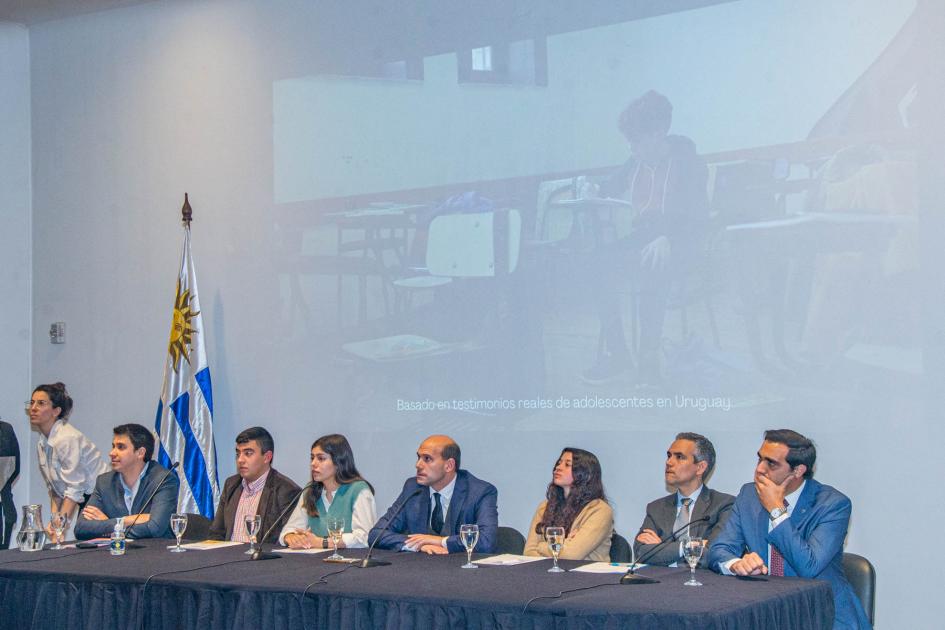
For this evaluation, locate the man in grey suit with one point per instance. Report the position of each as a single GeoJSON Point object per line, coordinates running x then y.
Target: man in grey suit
{"type": "Point", "coordinates": [689, 461]}
{"type": "Point", "coordinates": [123, 493]}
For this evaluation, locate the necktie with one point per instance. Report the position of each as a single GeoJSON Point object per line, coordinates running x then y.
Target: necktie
{"type": "Point", "coordinates": [436, 521]}
{"type": "Point", "coordinates": [682, 517]}
{"type": "Point", "coordinates": [776, 560]}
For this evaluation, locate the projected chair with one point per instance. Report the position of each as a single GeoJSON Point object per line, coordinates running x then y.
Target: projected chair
{"type": "Point", "coordinates": [459, 246]}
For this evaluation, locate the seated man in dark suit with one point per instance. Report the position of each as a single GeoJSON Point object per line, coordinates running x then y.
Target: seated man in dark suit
{"type": "Point", "coordinates": [690, 459]}
{"type": "Point", "coordinates": [786, 523]}
{"type": "Point", "coordinates": [123, 492]}
{"type": "Point", "coordinates": [438, 500]}
{"type": "Point", "coordinates": [257, 488]}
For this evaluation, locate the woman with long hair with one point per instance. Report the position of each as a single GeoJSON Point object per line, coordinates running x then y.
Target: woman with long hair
{"type": "Point", "coordinates": [575, 501]}
{"type": "Point", "coordinates": [337, 491]}
{"type": "Point", "coordinates": [68, 461]}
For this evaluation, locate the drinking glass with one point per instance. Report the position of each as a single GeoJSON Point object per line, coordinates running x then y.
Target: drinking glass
{"type": "Point", "coordinates": [469, 536]}
{"type": "Point", "coordinates": [555, 538]}
{"type": "Point", "coordinates": [178, 526]}
{"type": "Point", "coordinates": [252, 528]}
{"type": "Point", "coordinates": [58, 522]}
{"type": "Point", "coordinates": [692, 551]}
{"type": "Point", "coordinates": [336, 527]}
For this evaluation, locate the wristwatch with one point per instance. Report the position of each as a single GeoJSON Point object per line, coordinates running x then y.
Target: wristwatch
{"type": "Point", "coordinates": [777, 513]}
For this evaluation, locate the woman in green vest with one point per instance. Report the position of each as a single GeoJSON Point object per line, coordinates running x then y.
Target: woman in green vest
{"type": "Point", "coordinates": [337, 491]}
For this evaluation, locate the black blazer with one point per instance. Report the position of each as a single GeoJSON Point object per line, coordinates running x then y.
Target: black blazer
{"type": "Point", "coordinates": [277, 494]}
{"type": "Point", "coordinates": [661, 514]}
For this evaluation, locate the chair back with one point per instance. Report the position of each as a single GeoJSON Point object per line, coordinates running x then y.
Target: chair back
{"type": "Point", "coordinates": [470, 245]}
{"type": "Point", "coordinates": [510, 541]}
{"type": "Point", "coordinates": [198, 527]}
{"type": "Point", "coordinates": [619, 549]}
{"type": "Point", "coordinates": [862, 577]}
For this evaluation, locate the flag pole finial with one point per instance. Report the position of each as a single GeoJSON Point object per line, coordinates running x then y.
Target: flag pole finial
{"type": "Point", "coordinates": [186, 212]}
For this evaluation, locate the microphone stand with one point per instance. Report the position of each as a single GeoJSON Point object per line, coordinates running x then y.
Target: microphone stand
{"type": "Point", "coordinates": [631, 577]}
{"type": "Point", "coordinates": [367, 563]}
{"type": "Point", "coordinates": [259, 554]}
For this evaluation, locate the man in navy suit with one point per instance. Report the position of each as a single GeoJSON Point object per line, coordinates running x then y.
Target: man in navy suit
{"type": "Point", "coordinates": [122, 493]}
{"type": "Point", "coordinates": [786, 523]}
{"type": "Point", "coordinates": [429, 511]}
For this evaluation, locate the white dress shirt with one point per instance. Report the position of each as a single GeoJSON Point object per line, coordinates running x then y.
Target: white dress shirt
{"type": "Point", "coordinates": [69, 462]}
{"type": "Point", "coordinates": [363, 517]}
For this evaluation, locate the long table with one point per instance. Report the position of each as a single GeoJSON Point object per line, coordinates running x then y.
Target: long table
{"type": "Point", "coordinates": [152, 588]}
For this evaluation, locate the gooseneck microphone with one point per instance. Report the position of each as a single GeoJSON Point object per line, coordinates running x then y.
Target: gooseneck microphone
{"type": "Point", "coordinates": [157, 487]}
{"type": "Point", "coordinates": [631, 577]}
{"type": "Point", "coordinates": [368, 562]}
{"type": "Point", "coordinates": [259, 554]}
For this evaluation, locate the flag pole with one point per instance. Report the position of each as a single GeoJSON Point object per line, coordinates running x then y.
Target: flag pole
{"type": "Point", "coordinates": [186, 212]}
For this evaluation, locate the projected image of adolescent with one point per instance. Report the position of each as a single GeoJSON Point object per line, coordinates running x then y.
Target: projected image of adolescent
{"type": "Point", "coordinates": [706, 211]}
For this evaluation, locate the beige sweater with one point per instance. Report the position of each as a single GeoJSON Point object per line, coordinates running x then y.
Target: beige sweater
{"type": "Point", "coordinates": [589, 538]}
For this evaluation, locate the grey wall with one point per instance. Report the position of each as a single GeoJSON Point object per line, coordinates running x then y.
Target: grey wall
{"type": "Point", "coordinates": [15, 242]}
{"type": "Point", "coordinates": [130, 108]}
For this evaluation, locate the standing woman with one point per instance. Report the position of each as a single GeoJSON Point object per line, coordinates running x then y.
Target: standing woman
{"type": "Point", "coordinates": [575, 501]}
{"type": "Point", "coordinates": [68, 461]}
{"type": "Point", "coordinates": [337, 490]}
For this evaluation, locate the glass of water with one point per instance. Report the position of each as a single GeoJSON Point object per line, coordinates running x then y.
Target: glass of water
{"type": "Point", "coordinates": [336, 527]}
{"type": "Point", "coordinates": [692, 551]}
{"type": "Point", "coordinates": [252, 528]}
{"type": "Point", "coordinates": [178, 527]}
{"type": "Point", "coordinates": [555, 538]}
{"type": "Point", "coordinates": [58, 522]}
{"type": "Point", "coordinates": [469, 536]}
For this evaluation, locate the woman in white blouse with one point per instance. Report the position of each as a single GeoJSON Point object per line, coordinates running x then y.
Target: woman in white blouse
{"type": "Point", "coordinates": [337, 490]}
{"type": "Point", "coordinates": [68, 461]}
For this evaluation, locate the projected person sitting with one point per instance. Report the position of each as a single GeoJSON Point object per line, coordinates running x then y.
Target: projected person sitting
{"type": "Point", "coordinates": [786, 523]}
{"type": "Point", "coordinates": [338, 490]}
{"type": "Point", "coordinates": [432, 506]}
{"type": "Point", "coordinates": [575, 501]}
{"type": "Point", "coordinates": [689, 461]}
{"type": "Point", "coordinates": [123, 493]}
{"type": "Point", "coordinates": [665, 181]}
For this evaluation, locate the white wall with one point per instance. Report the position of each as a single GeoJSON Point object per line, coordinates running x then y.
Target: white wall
{"type": "Point", "coordinates": [132, 107]}
{"type": "Point", "coordinates": [15, 244]}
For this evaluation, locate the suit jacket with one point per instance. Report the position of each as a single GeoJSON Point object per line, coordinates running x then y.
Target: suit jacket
{"type": "Point", "coordinates": [473, 501]}
{"type": "Point", "coordinates": [661, 514]}
{"type": "Point", "coordinates": [109, 497]}
{"type": "Point", "coordinates": [811, 541]}
{"type": "Point", "coordinates": [277, 493]}
{"type": "Point", "coordinates": [9, 448]}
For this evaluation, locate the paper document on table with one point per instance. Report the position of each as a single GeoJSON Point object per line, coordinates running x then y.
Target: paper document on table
{"type": "Point", "coordinates": [606, 567]}
{"type": "Point", "coordinates": [286, 550]}
{"type": "Point", "coordinates": [203, 545]}
{"type": "Point", "coordinates": [508, 559]}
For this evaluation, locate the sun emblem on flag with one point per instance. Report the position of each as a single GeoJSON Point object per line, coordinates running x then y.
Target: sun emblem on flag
{"type": "Point", "coordinates": [181, 331]}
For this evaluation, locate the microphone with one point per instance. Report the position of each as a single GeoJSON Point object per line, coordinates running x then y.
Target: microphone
{"type": "Point", "coordinates": [631, 577]}
{"type": "Point", "coordinates": [367, 563]}
{"type": "Point", "coordinates": [259, 554]}
{"type": "Point", "coordinates": [157, 487]}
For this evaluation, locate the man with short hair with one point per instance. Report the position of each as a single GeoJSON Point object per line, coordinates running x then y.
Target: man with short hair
{"type": "Point", "coordinates": [690, 460]}
{"type": "Point", "coordinates": [122, 493]}
{"type": "Point", "coordinates": [257, 488]}
{"type": "Point", "coordinates": [786, 523]}
{"type": "Point", "coordinates": [438, 500]}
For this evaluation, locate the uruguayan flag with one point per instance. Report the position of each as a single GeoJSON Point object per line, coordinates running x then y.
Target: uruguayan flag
{"type": "Point", "coordinates": [184, 421]}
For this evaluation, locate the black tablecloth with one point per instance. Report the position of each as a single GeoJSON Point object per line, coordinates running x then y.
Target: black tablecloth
{"type": "Point", "coordinates": [153, 588]}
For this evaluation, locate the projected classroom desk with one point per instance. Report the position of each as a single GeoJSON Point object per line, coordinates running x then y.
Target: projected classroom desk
{"type": "Point", "coordinates": [224, 589]}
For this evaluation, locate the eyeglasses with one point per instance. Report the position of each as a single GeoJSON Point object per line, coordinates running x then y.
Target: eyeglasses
{"type": "Point", "coordinates": [36, 403]}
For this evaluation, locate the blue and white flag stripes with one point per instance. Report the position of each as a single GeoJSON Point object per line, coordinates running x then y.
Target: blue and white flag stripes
{"type": "Point", "coordinates": [184, 421]}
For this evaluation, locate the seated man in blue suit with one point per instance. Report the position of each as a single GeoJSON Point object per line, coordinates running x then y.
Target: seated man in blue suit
{"type": "Point", "coordinates": [122, 493]}
{"type": "Point", "coordinates": [432, 506]}
{"type": "Point", "coordinates": [786, 523]}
